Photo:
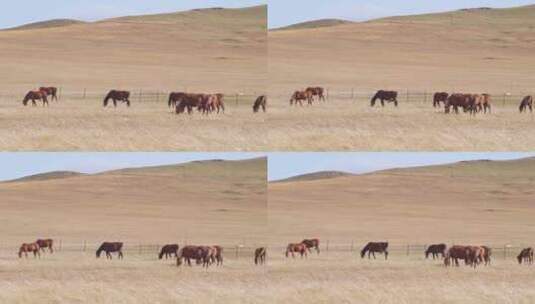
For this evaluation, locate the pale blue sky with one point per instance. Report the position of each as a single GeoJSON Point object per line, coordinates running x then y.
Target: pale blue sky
{"type": "Point", "coordinates": [284, 165]}
{"type": "Point", "coordinates": [281, 12]}
{"type": "Point", "coordinates": [16, 165]}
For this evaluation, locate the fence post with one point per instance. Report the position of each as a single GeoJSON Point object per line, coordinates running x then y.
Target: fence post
{"type": "Point", "coordinates": [505, 252]}
{"type": "Point", "coordinates": [407, 95]}
{"type": "Point", "coordinates": [158, 96]}
{"type": "Point", "coordinates": [85, 245]}
{"type": "Point", "coordinates": [408, 250]}
{"type": "Point", "coordinates": [236, 98]}
{"type": "Point", "coordinates": [504, 95]}
{"type": "Point", "coordinates": [352, 94]}
{"type": "Point", "coordinates": [140, 95]}
{"type": "Point", "coordinates": [237, 251]}
{"type": "Point", "coordinates": [425, 97]}
{"type": "Point", "coordinates": [327, 249]}
{"type": "Point", "coordinates": [84, 94]}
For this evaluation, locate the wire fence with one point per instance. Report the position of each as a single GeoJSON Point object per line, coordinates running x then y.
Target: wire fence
{"type": "Point", "coordinates": [239, 251]}
{"type": "Point", "coordinates": [407, 96]}
{"type": "Point", "coordinates": [136, 96]}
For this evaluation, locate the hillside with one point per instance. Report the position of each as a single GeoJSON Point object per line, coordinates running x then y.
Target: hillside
{"type": "Point", "coordinates": [478, 202]}
{"type": "Point", "coordinates": [313, 24]}
{"type": "Point", "coordinates": [46, 24]}
{"type": "Point", "coordinates": [314, 176]}
{"type": "Point", "coordinates": [223, 201]}
{"type": "Point", "coordinates": [473, 50]}
{"type": "Point", "coordinates": [47, 176]}
{"type": "Point", "coordinates": [201, 50]}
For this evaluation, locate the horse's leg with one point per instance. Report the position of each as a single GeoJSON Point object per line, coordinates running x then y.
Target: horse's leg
{"type": "Point", "coordinates": [114, 102]}
{"type": "Point", "coordinates": [386, 255]}
{"type": "Point", "coordinates": [382, 102]}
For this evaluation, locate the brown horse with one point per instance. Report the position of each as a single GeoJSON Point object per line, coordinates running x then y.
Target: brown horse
{"type": "Point", "coordinates": [526, 103]}
{"type": "Point", "coordinates": [457, 100]}
{"type": "Point", "coordinates": [525, 256]}
{"type": "Point", "coordinates": [116, 95]}
{"type": "Point", "coordinates": [110, 247]}
{"type": "Point", "coordinates": [260, 256]}
{"type": "Point", "coordinates": [382, 95]}
{"type": "Point", "coordinates": [174, 98]}
{"type": "Point", "coordinates": [439, 97]}
{"type": "Point", "coordinates": [188, 102]}
{"type": "Point", "coordinates": [435, 250]}
{"type": "Point", "coordinates": [293, 248]}
{"type": "Point", "coordinates": [487, 253]}
{"type": "Point", "coordinates": [475, 255]}
{"type": "Point", "coordinates": [372, 247]}
{"type": "Point", "coordinates": [316, 91]}
{"type": "Point", "coordinates": [29, 247]}
{"type": "Point", "coordinates": [33, 96]}
{"type": "Point", "coordinates": [299, 96]}
{"type": "Point", "coordinates": [168, 251]}
{"type": "Point", "coordinates": [218, 255]}
{"type": "Point", "coordinates": [456, 253]}
{"type": "Point", "coordinates": [44, 244]}
{"type": "Point", "coordinates": [188, 253]}
{"type": "Point", "coordinates": [312, 243]}
{"type": "Point", "coordinates": [218, 102]}
{"type": "Point", "coordinates": [260, 102]}
{"type": "Point", "coordinates": [50, 91]}
{"type": "Point", "coordinates": [485, 103]}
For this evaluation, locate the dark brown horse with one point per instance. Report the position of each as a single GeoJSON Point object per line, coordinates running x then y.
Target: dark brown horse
{"type": "Point", "coordinates": [109, 247]}
{"type": "Point", "coordinates": [260, 102]}
{"type": "Point", "coordinates": [525, 256]}
{"type": "Point", "coordinates": [456, 253]}
{"type": "Point", "coordinates": [372, 247]}
{"type": "Point", "coordinates": [525, 104]}
{"type": "Point", "coordinates": [316, 91]}
{"type": "Point", "coordinates": [188, 253]}
{"type": "Point", "coordinates": [44, 244]}
{"type": "Point", "coordinates": [439, 97]}
{"type": "Point", "coordinates": [33, 96]}
{"type": "Point", "coordinates": [293, 248]}
{"type": "Point", "coordinates": [188, 102]}
{"type": "Point", "coordinates": [50, 91]}
{"type": "Point", "coordinates": [457, 101]}
{"type": "Point", "coordinates": [299, 96]}
{"type": "Point", "coordinates": [382, 95]}
{"type": "Point", "coordinates": [312, 243]}
{"type": "Point", "coordinates": [29, 247]}
{"type": "Point", "coordinates": [435, 250]}
{"type": "Point", "coordinates": [174, 98]}
{"type": "Point", "coordinates": [260, 256]}
{"type": "Point", "coordinates": [168, 251]}
{"type": "Point", "coordinates": [116, 95]}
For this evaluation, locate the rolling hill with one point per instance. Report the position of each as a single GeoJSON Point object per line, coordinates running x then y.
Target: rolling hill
{"type": "Point", "coordinates": [212, 201]}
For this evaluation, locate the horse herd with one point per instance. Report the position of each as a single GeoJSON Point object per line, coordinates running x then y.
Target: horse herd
{"type": "Point", "coordinates": [180, 101]}
{"type": "Point", "coordinates": [208, 255]}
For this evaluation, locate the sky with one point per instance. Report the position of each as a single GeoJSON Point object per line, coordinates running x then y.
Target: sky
{"type": "Point", "coordinates": [16, 165]}
{"type": "Point", "coordinates": [281, 12]}
{"type": "Point", "coordinates": [284, 165]}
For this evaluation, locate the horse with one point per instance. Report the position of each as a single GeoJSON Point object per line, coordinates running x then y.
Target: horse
{"type": "Point", "coordinates": [174, 98]}
{"type": "Point", "coordinates": [487, 253]}
{"type": "Point", "coordinates": [435, 250]}
{"type": "Point", "coordinates": [218, 255]}
{"type": "Point", "coordinates": [33, 96]}
{"type": "Point", "coordinates": [218, 102]}
{"type": "Point", "coordinates": [299, 96]}
{"type": "Point", "coordinates": [188, 102]}
{"type": "Point", "coordinates": [525, 256]}
{"type": "Point", "coordinates": [29, 247]}
{"type": "Point", "coordinates": [389, 96]}
{"type": "Point", "coordinates": [45, 243]}
{"type": "Point", "coordinates": [475, 255]}
{"type": "Point", "coordinates": [457, 100]}
{"type": "Point", "coordinates": [115, 96]}
{"type": "Point", "coordinates": [455, 253]}
{"type": "Point", "coordinates": [109, 247]}
{"type": "Point", "coordinates": [373, 247]}
{"type": "Point", "coordinates": [260, 102]}
{"type": "Point", "coordinates": [191, 252]}
{"type": "Point", "coordinates": [527, 102]}
{"type": "Point", "coordinates": [316, 91]}
{"type": "Point", "coordinates": [168, 250]}
{"type": "Point", "coordinates": [300, 248]}
{"type": "Point", "coordinates": [50, 91]}
{"type": "Point", "coordinates": [485, 101]}
{"type": "Point", "coordinates": [312, 243]}
{"type": "Point", "coordinates": [439, 97]}
{"type": "Point", "coordinates": [260, 256]}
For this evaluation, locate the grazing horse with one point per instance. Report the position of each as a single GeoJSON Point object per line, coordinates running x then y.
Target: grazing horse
{"type": "Point", "coordinates": [487, 253]}
{"type": "Point", "coordinates": [33, 96]}
{"type": "Point", "coordinates": [168, 251]}
{"type": "Point", "coordinates": [475, 255]}
{"type": "Point", "coordinates": [299, 96]}
{"type": "Point", "coordinates": [45, 243]}
{"type": "Point", "coordinates": [316, 91]}
{"type": "Point", "coordinates": [50, 91]}
{"type": "Point", "coordinates": [188, 102]}
{"type": "Point", "coordinates": [455, 253]}
{"type": "Point", "coordinates": [435, 250]}
{"type": "Point", "coordinates": [190, 252]}
{"type": "Point", "coordinates": [526, 103]}
{"type": "Point", "coordinates": [312, 243]}
{"type": "Point", "coordinates": [115, 96]}
{"type": "Point", "coordinates": [218, 102]}
{"type": "Point", "coordinates": [174, 98]}
{"type": "Point", "coordinates": [218, 255]}
{"type": "Point", "coordinates": [390, 96]}
{"type": "Point", "coordinates": [260, 256]}
{"type": "Point", "coordinates": [296, 247]}
{"type": "Point", "coordinates": [439, 97]}
{"type": "Point", "coordinates": [457, 100]}
{"type": "Point", "coordinates": [260, 102]}
{"type": "Point", "coordinates": [372, 247]}
{"type": "Point", "coordinates": [485, 102]}
{"type": "Point", "coordinates": [525, 256]}
{"type": "Point", "coordinates": [31, 247]}
{"type": "Point", "coordinates": [110, 247]}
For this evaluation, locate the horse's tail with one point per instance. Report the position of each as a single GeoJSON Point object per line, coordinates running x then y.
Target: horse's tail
{"type": "Point", "coordinates": [288, 250]}
{"type": "Point", "coordinates": [374, 98]}
{"type": "Point", "coordinates": [363, 251]}
{"type": "Point", "coordinates": [26, 98]}
{"type": "Point", "coordinates": [179, 256]}
{"type": "Point", "coordinates": [108, 96]}
{"type": "Point", "coordinates": [20, 252]}
{"type": "Point", "coordinates": [171, 100]}
{"type": "Point", "coordinates": [160, 256]}
{"type": "Point", "coordinates": [99, 250]}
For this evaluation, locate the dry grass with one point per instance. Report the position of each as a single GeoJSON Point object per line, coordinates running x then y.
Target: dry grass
{"type": "Point", "coordinates": [147, 126]}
